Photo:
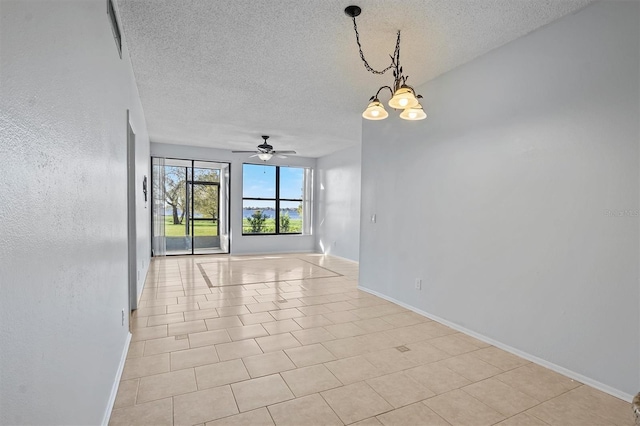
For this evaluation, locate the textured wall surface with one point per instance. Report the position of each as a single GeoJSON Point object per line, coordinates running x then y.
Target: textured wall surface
{"type": "Point", "coordinates": [63, 216]}
{"type": "Point", "coordinates": [516, 200]}
{"type": "Point", "coordinates": [243, 244]}
{"type": "Point", "coordinates": [338, 204]}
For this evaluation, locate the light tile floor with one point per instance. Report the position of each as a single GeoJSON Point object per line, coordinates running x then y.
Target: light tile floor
{"type": "Point", "coordinates": [290, 340]}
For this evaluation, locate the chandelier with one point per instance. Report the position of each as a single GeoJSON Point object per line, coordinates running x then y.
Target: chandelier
{"type": "Point", "coordinates": [403, 96]}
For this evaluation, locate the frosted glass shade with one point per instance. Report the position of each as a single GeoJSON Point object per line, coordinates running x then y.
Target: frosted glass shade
{"type": "Point", "coordinates": [375, 111]}
{"type": "Point", "coordinates": [403, 98]}
{"type": "Point", "coordinates": [265, 156]}
{"type": "Point", "coordinates": [414, 114]}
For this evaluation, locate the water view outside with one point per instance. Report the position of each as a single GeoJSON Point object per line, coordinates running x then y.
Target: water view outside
{"type": "Point", "coordinates": [261, 198]}
{"type": "Point", "coordinates": [293, 213]}
{"type": "Point", "coordinates": [263, 220]}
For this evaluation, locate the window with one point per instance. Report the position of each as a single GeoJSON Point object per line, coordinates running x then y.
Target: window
{"type": "Point", "coordinates": [275, 200]}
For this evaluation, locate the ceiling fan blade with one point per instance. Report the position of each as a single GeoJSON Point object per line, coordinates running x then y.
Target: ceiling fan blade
{"type": "Point", "coordinates": [265, 148]}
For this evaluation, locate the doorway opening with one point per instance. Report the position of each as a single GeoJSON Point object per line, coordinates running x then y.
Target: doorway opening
{"type": "Point", "coordinates": [131, 218]}
{"type": "Point", "coordinates": [191, 207]}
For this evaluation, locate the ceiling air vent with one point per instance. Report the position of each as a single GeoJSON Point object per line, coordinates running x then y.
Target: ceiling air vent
{"type": "Point", "coordinates": [114, 26]}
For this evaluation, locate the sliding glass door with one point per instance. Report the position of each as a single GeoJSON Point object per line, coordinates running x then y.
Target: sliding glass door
{"type": "Point", "coordinates": [204, 208]}
{"type": "Point", "coordinates": [190, 207]}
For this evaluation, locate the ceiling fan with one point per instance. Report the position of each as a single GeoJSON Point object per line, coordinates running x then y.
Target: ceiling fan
{"type": "Point", "coordinates": [266, 151]}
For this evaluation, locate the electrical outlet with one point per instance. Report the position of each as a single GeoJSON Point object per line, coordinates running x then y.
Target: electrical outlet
{"type": "Point", "coordinates": [123, 317]}
{"type": "Point", "coordinates": [418, 284]}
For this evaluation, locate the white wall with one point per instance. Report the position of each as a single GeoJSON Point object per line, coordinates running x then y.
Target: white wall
{"type": "Point", "coordinates": [142, 169]}
{"type": "Point", "coordinates": [64, 92]}
{"type": "Point", "coordinates": [251, 243]}
{"type": "Point", "coordinates": [499, 200]}
{"type": "Point", "coordinates": [338, 204]}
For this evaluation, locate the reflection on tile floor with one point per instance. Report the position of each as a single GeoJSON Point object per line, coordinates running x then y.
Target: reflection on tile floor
{"type": "Point", "coordinates": [289, 340]}
{"type": "Point", "coordinates": [260, 270]}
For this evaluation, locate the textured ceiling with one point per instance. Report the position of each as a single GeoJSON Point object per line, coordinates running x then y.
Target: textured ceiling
{"type": "Point", "coordinates": [221, 73]}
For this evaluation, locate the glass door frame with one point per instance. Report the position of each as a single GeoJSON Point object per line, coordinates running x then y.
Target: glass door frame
{"type": "Point", "coordinates": [190, 213]}
{"type": "Point", "coordinates": [189, 184]}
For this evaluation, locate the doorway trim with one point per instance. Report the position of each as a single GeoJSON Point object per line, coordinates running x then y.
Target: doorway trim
{"type": "Point", "coordinates": [131, 217]}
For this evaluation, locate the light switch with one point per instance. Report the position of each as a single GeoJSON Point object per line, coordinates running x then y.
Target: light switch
{"type": "Point", "coordinates": [373, 218]}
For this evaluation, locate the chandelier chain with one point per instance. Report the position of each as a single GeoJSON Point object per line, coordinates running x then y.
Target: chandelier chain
{"type": "Point", "coordinates": [396, 53]}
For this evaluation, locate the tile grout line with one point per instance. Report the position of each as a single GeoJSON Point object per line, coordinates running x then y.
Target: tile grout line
{"type": "Point", "coordinates": [541, 402]}
{"type": "Point", "coordinates": [316, 292]}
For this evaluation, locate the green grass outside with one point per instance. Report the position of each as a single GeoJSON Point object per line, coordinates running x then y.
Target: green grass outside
{"type": "Point", "coordinates": [201, 228]}
{"type": "Point", "coordinates": [207, 228]}
{"type": "Point", "coordinates": [269, 227]}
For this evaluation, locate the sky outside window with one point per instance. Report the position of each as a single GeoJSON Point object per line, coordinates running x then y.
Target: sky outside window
{"type": "Point", "coordinates": [258, 181]}
{"type": "Point", "coordinates": [291, 182]}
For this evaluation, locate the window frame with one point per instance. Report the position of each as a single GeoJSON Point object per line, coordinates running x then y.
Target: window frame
{"type": "Point", "coordinates": [276, 200]}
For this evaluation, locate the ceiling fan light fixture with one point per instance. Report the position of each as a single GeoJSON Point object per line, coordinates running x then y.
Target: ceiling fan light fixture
{"type": "Point", "coordinates": [265, 152]}
{"type": "Point", "coordinates": [413, 114]}
{"type": "Point", "coordinates": [403, 98]}
{"type": "Point", "coordinates": [375, 111]}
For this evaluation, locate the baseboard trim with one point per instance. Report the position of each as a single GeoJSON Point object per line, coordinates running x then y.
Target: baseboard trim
{"type": "Point", "coordinates": [116, 383]}
{"type": "Point", "coordinates": [346, 259]}
{"type": "Point", "coordinates": [270, 253]}
{"type": "Point", "coordinates": [544, 363]}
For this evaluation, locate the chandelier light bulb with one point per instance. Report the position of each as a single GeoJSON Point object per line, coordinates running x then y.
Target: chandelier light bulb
{"type": "Point", "coordinates": [403, 98]}
{"type": "Point", "coordinates": [375, 111]}
{"type": "Point", "coordinates": [413, 114]}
